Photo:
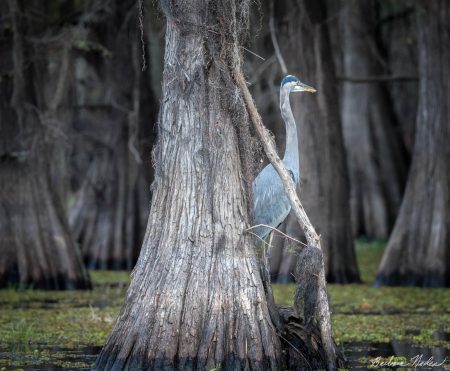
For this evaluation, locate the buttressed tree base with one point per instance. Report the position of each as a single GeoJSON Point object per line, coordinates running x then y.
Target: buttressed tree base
{"type": "Point", "coordinates": [197, 299]}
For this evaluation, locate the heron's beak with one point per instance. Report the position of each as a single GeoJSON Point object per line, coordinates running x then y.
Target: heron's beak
{"type": "Point", "coordinates": [303, 87]}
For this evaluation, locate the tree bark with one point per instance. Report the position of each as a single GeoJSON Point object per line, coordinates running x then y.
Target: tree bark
{"type": "Point", "coordinates": [196, 299]}
{"type": "Point", "coordinates": [116, 112]}
{"type": "Point", "coordinates": [324, 185]}
{"type": "Point", "coordinates": [36, 246]}
{"type": "Point", "coordinates": [418, 249]}
{"type": "Point", "coordinates": [375, 153]}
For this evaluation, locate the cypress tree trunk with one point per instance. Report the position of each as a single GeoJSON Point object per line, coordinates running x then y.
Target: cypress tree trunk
{"type": "Point", "coordinates": [113, 95]}
{"type": "Point", "coordinates": [418, 250]}
{"type": "Point", "coordinates": [36, 246]}
{"type": "Point", "coordinates": [196, 299]}
{"type": "Point", "coordinates": [35, 243]}
{"type": "Point", "coordinates": [324, 185]}
{"type": "Point", "coordinates": [375, 153]}
{"type": "Point", "coordinates": [399, 39]}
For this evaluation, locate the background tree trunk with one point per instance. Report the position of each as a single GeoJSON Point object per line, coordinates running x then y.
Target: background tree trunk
{"type": "Point", "coordinates": [418, 250]}
{"type": "Point", "coordinates": [375, 152]}
{"type": "Point", "coordinates": [196, 298]}
{"type": "Point", "coordinates": [398, 40]}
{"type": "Point", "coordinates": [35, 243]}
{"type": "Point", "coordinates": [116, 112]}
{"type": "Point", "coordinates": [323, 171]}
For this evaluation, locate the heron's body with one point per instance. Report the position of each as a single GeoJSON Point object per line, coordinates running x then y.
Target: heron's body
{"type": "Point", "coordinates": [271, 204]}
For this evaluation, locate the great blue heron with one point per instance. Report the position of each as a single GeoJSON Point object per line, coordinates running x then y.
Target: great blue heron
{"type": "Point", "coordinates": [271, 204]}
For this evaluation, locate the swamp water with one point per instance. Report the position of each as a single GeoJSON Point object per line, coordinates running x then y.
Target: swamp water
{"type": "Point", "coordinates": [373, 326]}
{"type": "Point", "coordinates": [360, 356]}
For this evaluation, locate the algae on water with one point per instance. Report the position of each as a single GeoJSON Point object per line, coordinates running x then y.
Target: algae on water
{"type": "Point", "coordinates": [67, 329]}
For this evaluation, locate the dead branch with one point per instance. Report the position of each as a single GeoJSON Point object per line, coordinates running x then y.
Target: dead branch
{"type": "Point", "coordinates": [323, 312]}
{"type": "Point", "coordinates": [141, 30]}
{"type": "Point", "coordinates": [60, 88]}
{"type": "Point", "coordinates": [276, 230]}
{"type": "Point", "coordinates": [379, 78]}
{"type": "Point", "coordinates": [274, 40]}
{"type": "Point", "coordinates": [18, 59]}
{"type": "Point", "coordinates": [267, 63]}
{"type": "Point", "coordinates": [253, 53]}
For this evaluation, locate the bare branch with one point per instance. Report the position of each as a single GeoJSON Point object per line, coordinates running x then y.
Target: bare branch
{"type": "Point", "coordinates": [407, 12]}
{"type": "Point", "coordinates": [267, 63]}
{"type": "Point", "coordinates": [19, 81]}
{"type": "Point", "coordinates": [259, 238]}
{"type": "Point", "coordinates": [251, 52]}
{"type": "Point", "coordinates": [141, 29]}
{"type": "Point", "coordinates": [377, 78]}
{"type": "Point", "coordinates": [60, 88]}
{"type": "Point", "coordinates": [274, 40]}
{"type": "Point", "coordinates": [274, 229]}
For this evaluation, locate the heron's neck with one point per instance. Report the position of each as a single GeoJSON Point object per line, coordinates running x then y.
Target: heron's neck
{"type": "Point", "coordinates": [291, 157]}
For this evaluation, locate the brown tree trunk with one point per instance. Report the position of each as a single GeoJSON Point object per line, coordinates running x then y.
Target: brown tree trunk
{"type": "Point", "coordinates": [375, 153]}
{"type": "Point", "coordinates": [114, 99]}
{"type": "Point", "coordinates": [196, 299]}
{"type": "Point", "coordinates": [324, 183]}
{"type": "Point", "coordinates": [418, 250]}
{"type": "Point", "coordinates": [35, 243]}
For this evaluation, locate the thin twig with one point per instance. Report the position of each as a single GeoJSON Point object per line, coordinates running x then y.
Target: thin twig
{"type": "Point", "coordinates": [61, 82]}
{"type": "Point", "coordinates": [396, 16]}
{"type": "Point", "coordinates": [251, 52]}
{"type": "Point", "coordinates": [267, 63]}
{"type": "Point", "coordinates": [273, 36]}
{"type": "Point", "coordinates": [277, 230]}
{"type": "Point", "coordinates": [259, 238]}
{"type": "Point", "coordinates": [141, 29]}
{"type": "Point", "coordinates": [376, 78]}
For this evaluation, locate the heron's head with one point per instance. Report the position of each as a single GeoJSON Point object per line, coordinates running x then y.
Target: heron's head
{"type": "Point", "coordinates": [293, 84]}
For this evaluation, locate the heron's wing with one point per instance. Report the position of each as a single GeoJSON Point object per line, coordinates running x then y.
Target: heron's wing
{"type": "Point", "coordinates": [271, 205]}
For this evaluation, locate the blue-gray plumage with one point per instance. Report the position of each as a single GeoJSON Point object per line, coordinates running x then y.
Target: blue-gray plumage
{"type": "Point", "coordinates": [271, 204]}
